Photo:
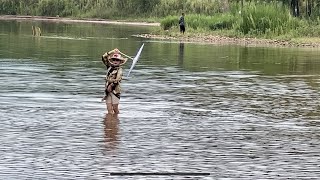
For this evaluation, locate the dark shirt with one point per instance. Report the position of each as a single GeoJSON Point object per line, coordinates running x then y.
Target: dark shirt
{"type": "Point", "coordinates": [181, 21]}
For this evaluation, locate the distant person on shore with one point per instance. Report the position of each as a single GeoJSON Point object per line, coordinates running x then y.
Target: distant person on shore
{"type": "Point", "coordinates": [113, 61]}
{"type": "Point", "coordinates": [182, 24]}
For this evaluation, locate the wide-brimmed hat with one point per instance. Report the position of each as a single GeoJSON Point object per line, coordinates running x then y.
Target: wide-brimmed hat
{"type": "Point", "coordinates": [119, 57]}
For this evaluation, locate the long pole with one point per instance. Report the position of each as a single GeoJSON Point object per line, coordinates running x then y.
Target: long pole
{"type": "Point", "coordinates": [135, 59]}
{"type": "Point", "coordinates": [126, 55]}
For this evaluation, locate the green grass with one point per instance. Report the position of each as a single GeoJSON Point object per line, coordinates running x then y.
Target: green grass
{"type": "Point", "coordinates": [254, 20]}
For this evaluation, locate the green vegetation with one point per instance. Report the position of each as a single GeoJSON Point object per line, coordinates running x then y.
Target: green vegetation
{"type": "Point", "coordinates": [253, 20]}
{"type": "Point", "coordinates": [286, 19]}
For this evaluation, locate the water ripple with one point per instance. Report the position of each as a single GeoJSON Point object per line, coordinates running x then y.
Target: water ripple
{"type": "Point", "coordinates": [230, 124]}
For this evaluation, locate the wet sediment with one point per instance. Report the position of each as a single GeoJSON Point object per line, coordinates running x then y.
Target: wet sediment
{"type": "Point", "coordinates": [212, 39]}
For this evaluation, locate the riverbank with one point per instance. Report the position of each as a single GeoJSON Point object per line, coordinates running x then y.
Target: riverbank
{"type": "Point", "coordinates": [215, 39]}
{"type": "Point", "coordinates": [190, 38]}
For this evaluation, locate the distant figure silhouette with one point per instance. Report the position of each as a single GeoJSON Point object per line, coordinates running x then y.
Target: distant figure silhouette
{"type": "Point", "coordinates": [182, 24]}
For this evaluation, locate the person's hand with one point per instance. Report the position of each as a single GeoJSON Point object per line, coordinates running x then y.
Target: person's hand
{"type": "Point", "coordinates": [109, 89]}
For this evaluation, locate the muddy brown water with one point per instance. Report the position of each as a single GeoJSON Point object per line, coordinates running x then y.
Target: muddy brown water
{"type": "Point", "coordinates": [195, 111]}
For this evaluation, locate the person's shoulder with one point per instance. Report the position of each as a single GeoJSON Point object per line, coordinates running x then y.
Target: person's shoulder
{"type": "Point", "coordinates": [120, 69]}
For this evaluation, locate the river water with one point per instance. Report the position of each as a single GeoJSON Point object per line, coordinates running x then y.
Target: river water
{"type": "Point", "coordinates": [187, 111]}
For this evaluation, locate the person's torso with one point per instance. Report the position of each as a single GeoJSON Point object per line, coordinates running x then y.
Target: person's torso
{"type": "Point", "coordinates": [181, 21]}
{"type": "Point", "coordinates": [112, 73]}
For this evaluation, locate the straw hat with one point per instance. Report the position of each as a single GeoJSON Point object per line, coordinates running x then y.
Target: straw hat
{"type": "Point", "coordinates": [118, 57]}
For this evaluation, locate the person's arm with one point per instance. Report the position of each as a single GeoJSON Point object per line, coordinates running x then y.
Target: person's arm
{"type": "Point", "coordinates": [104, 60]}
{"type": "Point", "coordinates": [119, 75]}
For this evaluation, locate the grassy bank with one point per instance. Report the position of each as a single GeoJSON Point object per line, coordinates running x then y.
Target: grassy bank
{"type": "Point", "coordinates": [255, 20]}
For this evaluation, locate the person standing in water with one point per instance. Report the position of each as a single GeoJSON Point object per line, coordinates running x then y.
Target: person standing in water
{"type": "Point", "coordinates": [182, 24]}
{"type": "Point", "coordinates": [113, 61]}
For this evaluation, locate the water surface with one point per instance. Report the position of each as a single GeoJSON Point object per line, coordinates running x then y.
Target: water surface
{"type": "Point", "coordinates": [231, 111]}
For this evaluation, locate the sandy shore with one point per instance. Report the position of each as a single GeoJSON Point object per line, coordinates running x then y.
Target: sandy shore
{"type": "Point", "coordinates": [211, 39]}
{"type": "Point", "coordinates": [250, 42]}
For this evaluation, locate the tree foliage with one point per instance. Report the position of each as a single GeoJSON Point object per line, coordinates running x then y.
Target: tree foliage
{"type": "Point", "coordinates": [142, 8]}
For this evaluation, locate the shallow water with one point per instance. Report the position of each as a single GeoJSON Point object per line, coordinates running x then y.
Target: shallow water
{"type": "Point", "coordinates": [230, 111]}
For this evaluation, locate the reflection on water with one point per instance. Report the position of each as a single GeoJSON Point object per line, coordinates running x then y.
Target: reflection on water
{"type": "Point", "coordinates": [239, 113]}
{"type": "Point", "coordinates": [111, 131]}
{"type": "Point", "coordinates": [181, 54]}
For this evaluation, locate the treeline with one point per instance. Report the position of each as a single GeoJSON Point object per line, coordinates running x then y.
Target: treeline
{"type": "Point", "coordinates": [287, 18]}
{"type": "Point", "coordinates": [107, 8]}
{"type": "Point", "coordinates": [143, 8]}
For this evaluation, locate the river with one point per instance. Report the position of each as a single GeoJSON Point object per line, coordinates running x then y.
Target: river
{"type": "Point", "coordinates": [187, 111]}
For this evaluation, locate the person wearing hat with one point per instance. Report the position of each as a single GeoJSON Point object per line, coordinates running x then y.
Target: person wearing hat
{"type": "Point", "coordinates": [113, 61]}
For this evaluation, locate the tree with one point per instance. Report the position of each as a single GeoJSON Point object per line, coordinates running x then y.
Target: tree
{"type": "Point", "coordinates": [308, 7]}
{"type": "Point", "coordinates": [295, 8]}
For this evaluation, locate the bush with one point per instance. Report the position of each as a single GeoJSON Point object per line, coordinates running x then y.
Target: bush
{"type": "Point", "coordinates": [169, 22]}
{"type": "Point", "coordinates": [265, 18]}
{"type": "Point", "coordinates": [54, 8]}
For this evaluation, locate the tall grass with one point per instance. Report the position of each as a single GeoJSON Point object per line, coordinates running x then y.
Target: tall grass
{"type": "Point", "coordinates": [196, 22]}
{"type": "Point", "coordinates": [262, 20]}
{"type": "Point", "coordinates": [176, 7]}
{"type": "Point", "coordinates": [266, 19]}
